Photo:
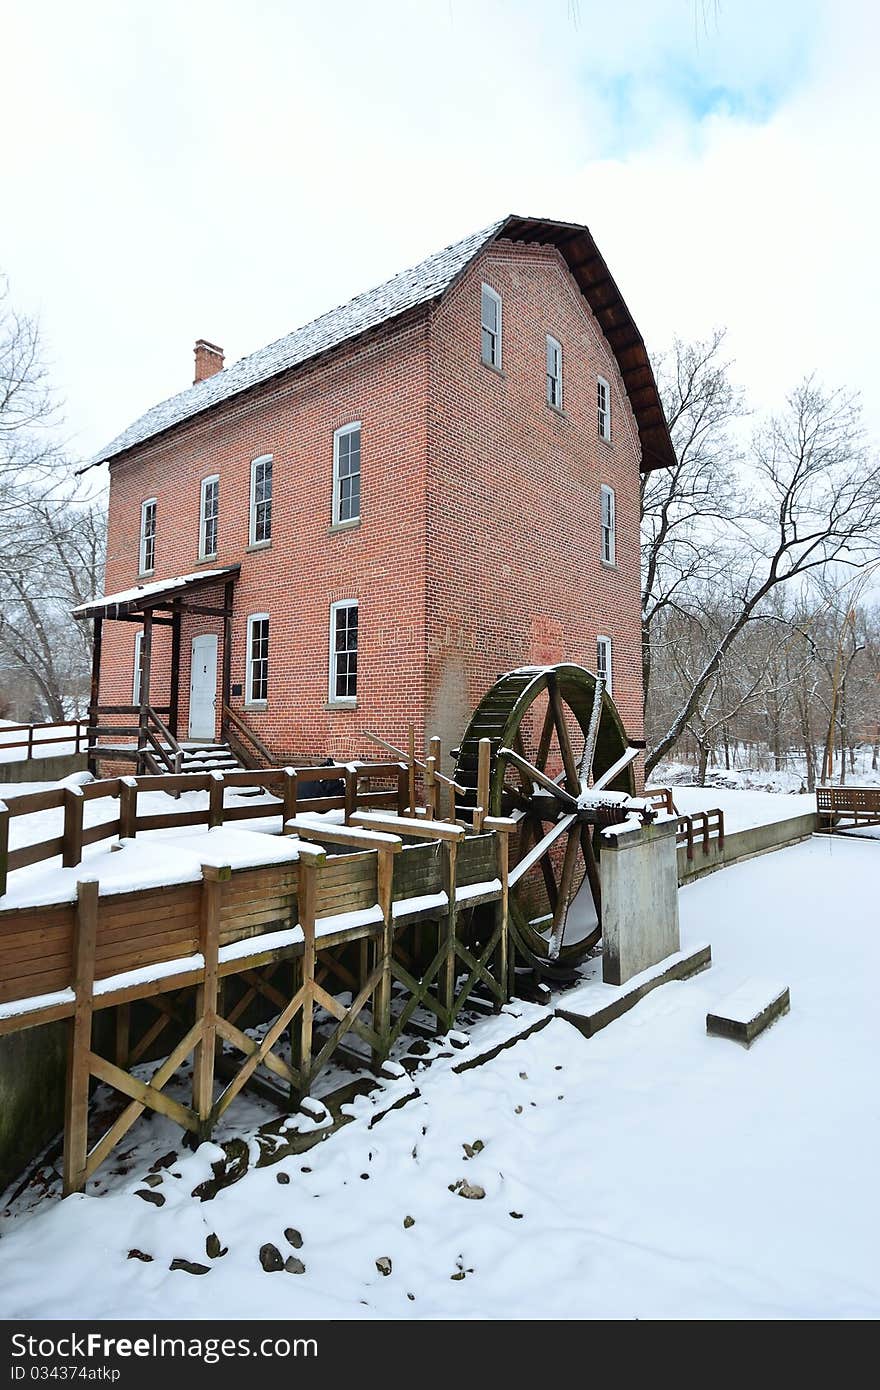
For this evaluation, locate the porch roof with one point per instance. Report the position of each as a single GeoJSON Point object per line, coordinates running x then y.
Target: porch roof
{"type": "Point", "coordinates": [161, 593]}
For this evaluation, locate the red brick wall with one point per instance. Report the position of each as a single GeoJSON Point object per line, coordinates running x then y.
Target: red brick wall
{"type": "Point", "coordinates": [380, 562]}
{"type": "Point", "coordinates": [480, 509]}
{"type": "Point", "coordinates": [514, 569]}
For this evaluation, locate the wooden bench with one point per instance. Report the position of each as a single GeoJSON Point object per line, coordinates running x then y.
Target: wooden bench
{"type": "Point", "coordinates": [847, 806]}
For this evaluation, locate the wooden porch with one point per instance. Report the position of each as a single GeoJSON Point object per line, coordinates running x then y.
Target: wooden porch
{"type": "Point", "coordinates": [151, 735]}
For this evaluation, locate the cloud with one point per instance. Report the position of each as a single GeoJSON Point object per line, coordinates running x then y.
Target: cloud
{"type": "Point", "coordinates": [231, 171]}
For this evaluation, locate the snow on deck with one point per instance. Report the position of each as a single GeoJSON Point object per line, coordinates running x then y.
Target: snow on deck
{"type": "Point", "coordinates": [651, 1171]}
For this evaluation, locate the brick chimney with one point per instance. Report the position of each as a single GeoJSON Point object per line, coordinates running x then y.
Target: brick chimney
{"type": "Point", "coordinates": [209, 359]}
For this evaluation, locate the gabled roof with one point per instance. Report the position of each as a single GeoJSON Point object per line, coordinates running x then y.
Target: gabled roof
{"type": "Point", "coordinates": [412, 289]}
{"type": "Point", "coordinates": [159, 593]}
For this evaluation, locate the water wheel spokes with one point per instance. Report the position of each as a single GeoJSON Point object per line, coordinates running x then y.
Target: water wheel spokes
{"type": "Point", "coordinates": [556, 737]}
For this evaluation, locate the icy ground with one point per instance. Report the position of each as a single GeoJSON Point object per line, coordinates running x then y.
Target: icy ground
{"type": "Point", "coordinates": [649, 1172]}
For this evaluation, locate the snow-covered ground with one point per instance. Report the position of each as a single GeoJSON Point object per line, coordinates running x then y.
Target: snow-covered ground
{"type": "Point", "coordinates": [742, 809]}
{"type": "Point", "coordinates": [649, 1172]}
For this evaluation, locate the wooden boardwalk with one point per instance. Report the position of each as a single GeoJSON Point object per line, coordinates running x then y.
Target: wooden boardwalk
{"type": "Point", "coordinates": [358, 926]}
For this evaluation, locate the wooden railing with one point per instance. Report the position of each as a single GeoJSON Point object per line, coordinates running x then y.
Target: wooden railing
{"type": "Point", "coordinates": [850, 805]}
{"type": "Point", "coordinates": [76, 733]}
{"type": "Point", "coordinates": [284, 782]}
{"type": "Point", "coordinates": [244, 742]}
{"type": "Point", "coordinates": [156, 749]}
{"type": "Point", "coordinates": [709, 825]}
{"type": "Point", "coordinates": [661, 797]}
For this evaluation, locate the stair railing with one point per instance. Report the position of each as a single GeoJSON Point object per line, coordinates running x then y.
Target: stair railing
{"type": "Point", "coordinates": [244, 742]}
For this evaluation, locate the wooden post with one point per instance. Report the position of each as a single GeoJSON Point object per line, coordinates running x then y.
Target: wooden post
{"type": "Point", "coordinates": [435, 751]}
{"type": "Point", "coordinates": [307, 899]}
{"type": "Point", "coordinates": [446, 977]}
{"type": "Point", "coordinates": [411, 771]}
{"type": "Point", "coordinates": [288, 811]}
{"type": "Point", "coordinates": [402, 785]}
{"type": "Point", "coordinates": [226, 693]}
{"type": "Point", "coordinates": [382, 996]}
{"type": "Point", "coordinates": [127, 808]}
{"type": "Point", "coordinates": [452, 807]}
{"type": "Point", "coordinates": [430, 787]}
{"type": "Point", "coordinates": [213, 878]}
{"type": "Point", "coordinates": [350, 794]}
{"type": "Point", "coordinates": [502, 846]}
{"type": "Point", "coordinates": [79, 1045]}
{"type": "Point", "coordinates": [72, 836]}
{"type": "Point", "coordinates": [174, 693]}
{"type": "Point", "coordinates": [146, 662]}
{"type": "Point", "coordinates": [4, 846]}
{"type": "Point", "coordinates": [215, 800]}
{"type": "Point", "coordinates": [484, 758]}
{"type": "Point", "coordinates": [94, 692]}
{"type": "Point", "coordinates": [30, 744]}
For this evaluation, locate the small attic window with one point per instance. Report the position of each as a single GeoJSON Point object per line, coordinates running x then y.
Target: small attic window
{"type": "Point", "coordinates": [490, 323]}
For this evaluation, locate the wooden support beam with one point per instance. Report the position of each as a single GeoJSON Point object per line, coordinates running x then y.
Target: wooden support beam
{"type": "Point", "coordinates": [213, 878]}
{"type": "Point", "coordinates": [174, 694]}
{"type": "Point", "coordinates": [446, 978]}
{"type": "Point", "coordinates": [94, 692]}
{"type": "Point", "coordinates": [79, 1044]}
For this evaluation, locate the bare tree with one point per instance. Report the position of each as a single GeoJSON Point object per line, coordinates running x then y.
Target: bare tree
{"type": "Point", "coordinates": [51, 539]}
{"type": "Point", "coordinates": [814, 504]}
{"type": "Point", "coordinates": [683, 507]}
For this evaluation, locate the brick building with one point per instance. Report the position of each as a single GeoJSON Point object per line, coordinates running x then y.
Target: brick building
{"type": "Point", "coordinates": [369, 520]}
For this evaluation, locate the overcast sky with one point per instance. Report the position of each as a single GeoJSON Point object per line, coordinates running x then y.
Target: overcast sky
{"type": "Point", "coordinates": [231, 170]}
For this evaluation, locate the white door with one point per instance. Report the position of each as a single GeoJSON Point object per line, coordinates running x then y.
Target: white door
{"type": "Point", "coordinates": [203, 687]}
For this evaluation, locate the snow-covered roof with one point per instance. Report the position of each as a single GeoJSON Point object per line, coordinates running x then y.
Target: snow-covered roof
{"type": "Point", "coordinates": [108, 605]}
{"type": "Point", "coordinates": [406, 290]}
{"type": "Point", "coordinates": [411, 289]}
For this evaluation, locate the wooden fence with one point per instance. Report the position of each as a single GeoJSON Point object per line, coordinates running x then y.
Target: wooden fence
{"type": "Point", "coordinates": [76, 732]}
{"type": "Point", "coordinates": [358, 794]}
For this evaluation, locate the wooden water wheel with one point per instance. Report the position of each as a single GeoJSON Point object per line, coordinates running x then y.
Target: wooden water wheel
{"type": "Point", "coordinates": [561, 766]}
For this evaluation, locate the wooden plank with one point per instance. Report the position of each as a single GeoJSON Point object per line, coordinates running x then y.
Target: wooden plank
{"type": "Point", "coordinates": [406, 826]}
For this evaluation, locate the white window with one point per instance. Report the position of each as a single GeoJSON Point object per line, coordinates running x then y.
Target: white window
{"type": "Point", "coordinates": [554, 372]}
{"type": "Point", "coordinates": [608, 545]}
{"type": "Point", "coordinates": [138, 667]}
{"type": "Point", "coordinates": [347, 473]}
{"type": "Point", "coordinates": [209, 511]}
{"type": "Point", "coordinates": [603, 393]}
{"type": "Point", "coordinates": [261, 500]}
{"type": "Point", "coordinates": [257, 659]}
{"type": "Point", "coordinates": [147, 551]}
{"type": "Point", "coordinates": [603, 661]}
{"type": "Point", "coordinates": [490, 321]}
{"type": "Point", "coordinates": [343, 652]}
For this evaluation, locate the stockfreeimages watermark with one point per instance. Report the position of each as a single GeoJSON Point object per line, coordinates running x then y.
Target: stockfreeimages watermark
{"type": "Point", "coordinates": [31, 1354]}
